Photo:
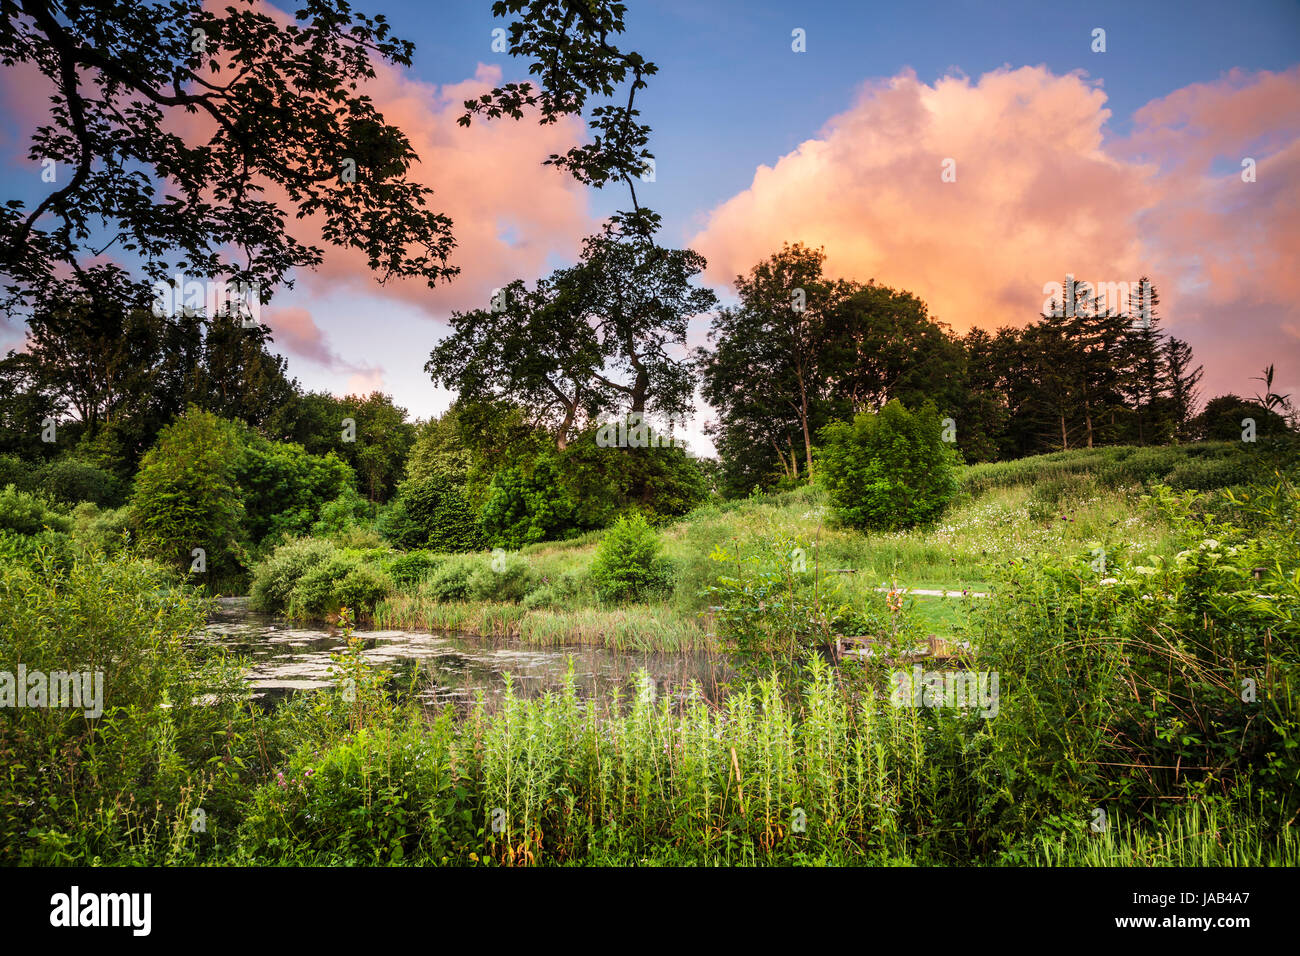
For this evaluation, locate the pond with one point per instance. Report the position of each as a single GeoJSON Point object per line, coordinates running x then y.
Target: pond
{"type": "Point", "coordinates": [285, 658]}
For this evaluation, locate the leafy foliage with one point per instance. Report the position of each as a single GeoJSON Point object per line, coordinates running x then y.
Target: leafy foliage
{"type": "Point", "coordinates": [889, 470]}
{"type": "Point", "coordinates": [627, 564]}
{"type": "Point", "coordinates": [186, 494]}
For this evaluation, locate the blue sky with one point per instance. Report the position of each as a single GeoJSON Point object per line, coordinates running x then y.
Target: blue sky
{"type": "Point", "coordinates": [732, 97]}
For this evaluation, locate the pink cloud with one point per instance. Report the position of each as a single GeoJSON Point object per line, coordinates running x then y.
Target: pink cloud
{"type": "Point", "coordinates": [510, 213]}
{"type": "Point", "coordinates": [1040, 192]}
{"type": "Point", "coordinates": [294, 329]}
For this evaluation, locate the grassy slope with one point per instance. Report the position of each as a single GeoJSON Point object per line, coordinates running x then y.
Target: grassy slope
{"type": "Point", "coordinates": [1051, 505]}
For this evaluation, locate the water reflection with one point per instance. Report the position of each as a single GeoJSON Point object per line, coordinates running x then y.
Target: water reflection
{"type": "Point", "coordinates": [444, 668]}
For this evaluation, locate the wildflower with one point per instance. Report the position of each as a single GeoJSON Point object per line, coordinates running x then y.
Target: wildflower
{"type": "Point", "coordinates": [1106, 582]}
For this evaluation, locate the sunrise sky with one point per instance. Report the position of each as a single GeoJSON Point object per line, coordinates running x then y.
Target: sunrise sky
{"type": "Point", "coordinates": [1104, 165]}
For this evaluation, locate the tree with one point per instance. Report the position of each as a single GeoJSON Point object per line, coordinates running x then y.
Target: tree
{"type": "Point", "coordinates": [531, 349]}
{"type": "Point", "coordinates": [765, 375]}
{"type": "Point", "coordinates": [568, 43]}
{"type": "Point", "coordinates": [26, 402]}
{"type": "Point", "coordinates": [279, 105]}
{"type": "Point", "coordinates": [432, 513]}
{"type": "Point", "coordinates": [440, 450]}
{"type": "Point", "coordinates": [890, 469]}
{"type": "Point", "coordinates": [375, 445]}
{"type": "Point", "coordinates": [803, 349]}
{"type": "Point", "coordinates": [186, 494]}
{"type": "Point", "coordinates": [1224, 417]}
{"type": "Point", "coordinates": [1181, 381]}
{"type": "Point", "coordinates": [880, 345]}
{"type": "Point", "coordinates": [283, 487]}
{"type": "Point", "coordinates": [589, 340]}
{"type": "Point", "coordinates": [638, 297]}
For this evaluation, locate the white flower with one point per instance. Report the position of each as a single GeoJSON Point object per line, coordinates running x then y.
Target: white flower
{"type": "Point", "coordinates": [1142, 569]}
{"type": "Point", "coordinates": [1109, 581]}
{"type": "Point", "coordinates": [1209, 543]}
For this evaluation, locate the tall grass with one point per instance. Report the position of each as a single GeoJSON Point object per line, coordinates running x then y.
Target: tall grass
{"type": "Point", "coordinates": [628, 628]}
{"type": "Point", "coordinates": [762, 779]}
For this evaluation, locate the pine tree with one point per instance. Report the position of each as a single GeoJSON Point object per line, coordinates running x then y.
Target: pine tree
{"type": "Point", "coordinates": [1181, 381]}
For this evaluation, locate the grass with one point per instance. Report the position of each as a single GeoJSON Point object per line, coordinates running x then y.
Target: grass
{"type": "Point", "coordinates": [982, 529]}
{"type": "Point", "coordinates": [631, 628]}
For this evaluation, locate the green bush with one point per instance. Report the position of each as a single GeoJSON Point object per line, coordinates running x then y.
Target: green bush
{"type": "Point", "coordinates": [410, 568]}
{"type": "Point", "coordinates": [889, 470]}
{"type": "Point", "coordinates": [122, 785]}
{"type": "Point", "coordinates": [52, 547]}
{"type": "Point", "coordinates": [432, 513]}
{"type": "Point", "coordinates": [386, 795]}
{"type": "Point", "coordinates": [451, 580]}
{"type": "Point", "coordinates": [26, 513]}
{"type": "Point", "coordinates": [362, 588]}
{"type": "Point", "coordinates": [70, 481]}
{"type": "Point", "coordinates": [505, 577]}
{"type": "Point", "coordinates": [276, 575]}
{"type": "Point", "coordinates": [627, 564]}
{"type": "Point", "coordinates": [562, 591]}
{"type": "Point", "coordinates": [15, 471]}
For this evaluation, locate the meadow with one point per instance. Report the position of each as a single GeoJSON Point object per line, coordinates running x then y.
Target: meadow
{"type": "Point", "coordinates": [1123, 735]}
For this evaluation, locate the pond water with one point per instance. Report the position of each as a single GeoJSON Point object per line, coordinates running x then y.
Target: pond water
{"type": "Point", "coordinates": [285, 658]}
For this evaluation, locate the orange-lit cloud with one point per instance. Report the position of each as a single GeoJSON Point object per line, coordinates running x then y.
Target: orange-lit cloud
{"type": "Point", "coordinates": [1041, 191]}
{"type": "Point", "coordinates": [510, 213]}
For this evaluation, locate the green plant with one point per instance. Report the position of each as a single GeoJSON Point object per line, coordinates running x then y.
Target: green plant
{"type": "Point", "coordinates": [506, 577]}
{"type": "Point", "coordinates": [276, 576]}
{"type": "Point", "coordinates": [70, 481]}
{"type": "Point", "coordinates": [627, 564]}
{"type": "Point", "coordinates": [186, 495]}
{"type": "Point", "coordinates": [432, 513]}
{"type": "Point", "coordinates": [889, 470]}
{"type": "Point", "coordinates": [450, 581]}
{"type": "Point", "coordinates": [26, 513]}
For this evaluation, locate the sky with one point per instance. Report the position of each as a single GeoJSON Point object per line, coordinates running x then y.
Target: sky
{"type": "Point", "coordinates": [1104, 165]}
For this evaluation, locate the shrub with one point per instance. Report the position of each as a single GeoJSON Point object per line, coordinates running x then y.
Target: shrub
{"type": "Point", "coordinates": [432, 513]}
{"type": "Point", "coordinates": [563, 590]}
{"type": "Point", "coordinates": [71, 481]}
{"type": "Point", "coordinates": [116, 786]}
{"type": "Point", "coordinates": [26, 513]}
{"type": "Point", "coordinates": [15, 471]}
{"type": "Point", "coordinates": [276, 576]}
{"type": "Point", "coordinates": [506, 577]}
{"type": "Point", "coordinates": [410, 568]}
{"type": "Point", "coordinates": [341, 580]}
{"type": "Point", "coordinates": [450, 582]}
{"type": "Point", "coordinates": [108, 530]}
{"type": "Point", "coordinates": [362, 588]}
{"type": "Point", "coordinates": [186, 494]}
{"type": "Point", "coordinates": [627, 565]}
{"type": "Point", "coordinates": [889, 470]}
{"type": "Point", "coordinates": [52, 547]}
